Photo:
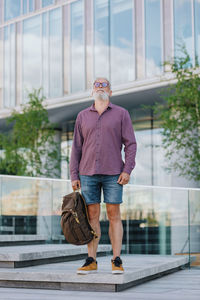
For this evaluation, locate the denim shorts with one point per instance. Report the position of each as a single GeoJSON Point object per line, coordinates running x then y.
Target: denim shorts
{"type": "Point", "coordinates": [91, 186]}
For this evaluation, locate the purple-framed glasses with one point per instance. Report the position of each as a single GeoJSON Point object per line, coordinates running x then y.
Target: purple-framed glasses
{"type": "Point", "coordinates": [103, 84]}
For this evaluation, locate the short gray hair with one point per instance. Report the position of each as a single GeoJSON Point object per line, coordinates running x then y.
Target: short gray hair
{"type": "Point", "coordinates": [97, 78]}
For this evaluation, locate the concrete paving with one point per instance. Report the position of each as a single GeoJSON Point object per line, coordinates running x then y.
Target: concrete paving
{"type": "Point", "coordinates": [182, 285]}
{"type": "Point", "coordinates": [138, 268]}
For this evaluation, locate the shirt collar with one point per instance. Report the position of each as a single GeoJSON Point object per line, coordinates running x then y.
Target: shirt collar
{"type": "Point", "coordinates": [92, 107]}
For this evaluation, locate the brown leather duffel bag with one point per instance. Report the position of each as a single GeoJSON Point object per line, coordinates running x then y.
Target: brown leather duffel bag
{"type": "Point", "coordinates": [74, 220]}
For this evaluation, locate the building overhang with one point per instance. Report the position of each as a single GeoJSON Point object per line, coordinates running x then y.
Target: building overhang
{"type": "Point", "coordinates": [129, 96]}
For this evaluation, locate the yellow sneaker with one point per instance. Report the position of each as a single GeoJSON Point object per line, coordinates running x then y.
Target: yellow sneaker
{"type": "Point", "coordinates": [117, 267]}
{"type": "Point", "coordinates": [90, 266]}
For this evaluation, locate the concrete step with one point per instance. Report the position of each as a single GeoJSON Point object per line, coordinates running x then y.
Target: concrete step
{"type": "Point", "coordinates": [62, 276]}
{"type": "Point", "coordinates": [23, 256]}
{"type": "Point", "coordinates": [21, 239]}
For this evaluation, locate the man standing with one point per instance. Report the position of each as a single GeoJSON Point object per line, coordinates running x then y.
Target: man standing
{"type": "Point", "coordinates": [96, 162]}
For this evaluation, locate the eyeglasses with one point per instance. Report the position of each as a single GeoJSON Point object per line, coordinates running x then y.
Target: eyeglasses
{"type": "Point", "coordinates": [103, 84]}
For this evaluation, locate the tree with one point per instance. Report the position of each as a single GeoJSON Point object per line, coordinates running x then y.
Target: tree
{"type": "Point", "coordinates": [29, 149]}
{"type": "Point", "coordinates": [180, 116]}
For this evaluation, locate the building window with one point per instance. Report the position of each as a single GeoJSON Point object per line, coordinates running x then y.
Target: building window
{"type": "Point", "coordinates": [183, 27]}
{"type": "Point", "coordinates": [101, 38]}
{"type": "Point", "coordinates": [45, 54]}
{"type": "Point", "coordinates": [1, 12]}
{"type": "Point", "coordinates": [9, 66]}
{"type": "Point", "coordinates": [122, 41]}
{"type": "Point", "coordinates": [42, 54]}
{"type": "Point", "coordinates": [25, 7]}
{"type": "Point", "coordinates": [28, 6]}
{"type": "Point", "coordinates": [197, 29]}
{"type": "Point", "coordinates": [32, 61]}
{"type": "Point", "coordinates": [47, 2]}
{"type": "Point", "coordinates": [153, 37]}
{"type": "Point", "coordinates": [31, 5]}
{"type": "Point", "coordinates": [151, 162]}
{"type": "Point", "coordinates": [55, 53]}
{"type": "Point", "coordinates": [12, 9]}
{"type": "Point", "coordinates": [77, 47]}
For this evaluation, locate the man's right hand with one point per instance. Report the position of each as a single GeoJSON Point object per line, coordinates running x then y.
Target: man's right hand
{"type": "Point", "coordinates": [76, 184]}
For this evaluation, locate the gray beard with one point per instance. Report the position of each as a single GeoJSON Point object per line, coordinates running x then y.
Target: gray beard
{"type": "Point", "coordinates": [101, 96]}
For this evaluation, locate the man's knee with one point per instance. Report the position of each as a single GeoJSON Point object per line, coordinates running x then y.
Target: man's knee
{"type": "Point", "coordinates": [113, 212]}
{"type": "Point", "coordinates": [94, 212]}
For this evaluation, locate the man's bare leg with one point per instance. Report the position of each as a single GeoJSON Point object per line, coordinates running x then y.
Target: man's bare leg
{"type": "Point", "coordinates": [94, 214]}
{"type": "Point", "coordinates": [115, 228]}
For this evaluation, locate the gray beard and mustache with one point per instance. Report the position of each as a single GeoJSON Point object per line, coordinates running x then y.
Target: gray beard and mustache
{"type": "Point", "coordinates": [101, 96]}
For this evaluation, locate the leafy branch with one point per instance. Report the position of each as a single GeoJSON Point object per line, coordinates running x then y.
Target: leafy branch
{"type": "Point", "coordinates": [30, 149]}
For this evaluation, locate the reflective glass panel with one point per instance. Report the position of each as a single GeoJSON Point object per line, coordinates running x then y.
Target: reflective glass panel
{"type": "Point", "coordinates": [31, 5]}
{"type": "Point", "coordinates": [59, 189]}
{"type": "Point", "coordinates": [151, 163]}
{"type": "Point", "coordinates": [183, 27]}
{"type": "Point", "coordinates": [26, 206]}
{"type": "Point", "coordinates": [156, 220]}
{"type": "Point", "coordinates": [47, 2]}
{"type": "Point", "coordinates": [153, 38]}
{"type": "Point", "coordinates": [194, 202]}
{"type": "Point", "coordinates": [6, 67]}
{"type": "Point", "coordinates": [12, 9]}
{"type": "Point", "coordinates": [197, 29]}
{"type": "Point", "coordinates": [77, 47]}
{"type": "Point", "coordinates": [121, 41]}
{"type": "Point", "coordinates": [101, 38]}
{"type": "Point", "coordinates": [12, 64]}
{"type": "Point", "coordinates": [9, 66]}
{"type": "Point", "coordinates": [143, 171]}
{"type": "Point", "coordinates": [31, 54]}
{"type": "Point", "coordinates": [1, 15]}
{"type": "Point", "coordinates": [25, 6]}
{"type": "Point", "coordinates": [66, 146]}
{"type": "Point", "coordinates": [45, 55]}
{"type": "Point", "coordinates": [55, 52]}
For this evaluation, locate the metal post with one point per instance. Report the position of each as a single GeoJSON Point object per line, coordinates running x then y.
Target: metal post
{"type": "Point", "coordinates": [189, 228]}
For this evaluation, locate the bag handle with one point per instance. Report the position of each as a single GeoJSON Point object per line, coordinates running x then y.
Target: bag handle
{"type": "Point", "coordinates": [77, 190]}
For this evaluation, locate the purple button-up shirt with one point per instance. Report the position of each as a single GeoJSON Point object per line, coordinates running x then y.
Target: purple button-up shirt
{"type": "Point", "coordinates": [98, 140]}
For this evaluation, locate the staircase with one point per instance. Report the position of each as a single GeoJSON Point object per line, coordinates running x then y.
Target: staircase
{"type": "Point", "coordinates": [54, 267]}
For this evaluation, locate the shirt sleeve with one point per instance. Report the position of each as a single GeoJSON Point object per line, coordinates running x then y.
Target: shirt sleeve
{"type": "Point", "coordinates": [129, 141]}
{"type": "Point", "coordinates": [76, 152]}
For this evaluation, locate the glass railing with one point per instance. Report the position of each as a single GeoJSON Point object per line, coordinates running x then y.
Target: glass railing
{"type": "Point", "coordinates": [156, 220]}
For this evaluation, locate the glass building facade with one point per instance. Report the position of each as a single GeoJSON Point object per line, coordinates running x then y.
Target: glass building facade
{"type": "Point", "coordinates": [61, 46]}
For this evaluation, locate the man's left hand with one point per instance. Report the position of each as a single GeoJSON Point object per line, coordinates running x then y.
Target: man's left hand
{"type": "Point", "coordinates": [123, 178]}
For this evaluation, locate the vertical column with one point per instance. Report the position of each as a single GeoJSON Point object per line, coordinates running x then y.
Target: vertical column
{"type": "Point", "coordinates": [38, 4]}
{"type": "Point", "coordinates": [66, 49]}
{"type": "Point", "coordinates": [140, 39]}
{"type": "Point", "coordinates": [19, 62]}
{"type": "Point", "coordinates": [89, 43]}
{"type": "Point", "coordinates": [168, 30]}
{"type": "Point", "coordinates": [1, 68]}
